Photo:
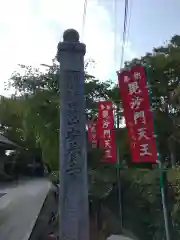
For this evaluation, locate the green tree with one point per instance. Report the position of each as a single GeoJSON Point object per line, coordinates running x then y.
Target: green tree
{"type": "Point", "coordinates": [36, 106]}
{"type": "Point", "coordinates": [35, 111]}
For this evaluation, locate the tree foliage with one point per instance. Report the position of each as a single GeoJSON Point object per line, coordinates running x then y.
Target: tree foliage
{"type": "Point", "coordinates": [31, 119]}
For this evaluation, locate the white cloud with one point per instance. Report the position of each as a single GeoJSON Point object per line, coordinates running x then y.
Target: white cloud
{"type": "Point", "coordinates": [30, 31]}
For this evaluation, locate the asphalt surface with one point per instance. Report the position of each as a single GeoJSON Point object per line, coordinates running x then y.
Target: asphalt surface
{"type": "Point", "coordinates": [20, 205]}
{"type": "Point", "coordinates": [25, 208]}
{"type": "Point", "coordinates": [118, 237]}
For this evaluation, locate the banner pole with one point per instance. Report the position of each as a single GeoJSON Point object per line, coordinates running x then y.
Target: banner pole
{"type": "Point", "coordinates": [166, 222]}
{"type": "Point", "coordinates": [163, 198]}
{"type": "Point", "coordinates": [118, 170]}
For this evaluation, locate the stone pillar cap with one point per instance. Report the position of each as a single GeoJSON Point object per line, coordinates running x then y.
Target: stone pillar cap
{"type": "Point", "coordinates": [71, 35]}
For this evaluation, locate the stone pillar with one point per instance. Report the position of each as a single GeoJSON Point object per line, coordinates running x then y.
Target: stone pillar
{"type": "Point", "coordinates": [2, 160]}
{"type": "Point", "coordinates": [74, 223]}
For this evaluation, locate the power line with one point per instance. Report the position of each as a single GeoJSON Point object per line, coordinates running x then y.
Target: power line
{"type": "Point", "coordinates": [124, 32]}
{"type": "Point", "coordinates": [118, 171]}
{"type": "Point", "coordinates": [129, 20]}
{"type": "Point", "coordinates": [84, 18]}
{"type": "Point", "coordinates": [115, 30]}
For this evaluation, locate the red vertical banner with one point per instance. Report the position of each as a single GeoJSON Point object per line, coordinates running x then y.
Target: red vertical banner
{"type": "Point", "coordinates": [92, 133]}
{"type": "Point", "coordinates": [138, 114]}
{"type": "Point", "coordinates": [105, 130]}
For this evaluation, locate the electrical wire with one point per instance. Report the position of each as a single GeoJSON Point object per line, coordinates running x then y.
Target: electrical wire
{"type": "Point", "coordinates": [129, 20]}
{"type": "Point", "coordinates": [115, 7]}
{"type": "Point", "coordinates": [118, 171]}
{"type": "Point", "coordinates": [84, 19]}
{"type": "Point", "coordinates": [124, 32]}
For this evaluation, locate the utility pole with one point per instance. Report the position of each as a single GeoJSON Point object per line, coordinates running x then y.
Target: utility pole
{"type": "Point", "coordinates": [73, 212]}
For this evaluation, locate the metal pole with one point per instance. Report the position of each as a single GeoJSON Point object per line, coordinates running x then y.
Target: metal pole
{"type": "Point", "coordinates": [74, 214]}
{"type": "Point", "coordinates": [166, 222]}
{"type": "Point", "coordinates": [119, 174]}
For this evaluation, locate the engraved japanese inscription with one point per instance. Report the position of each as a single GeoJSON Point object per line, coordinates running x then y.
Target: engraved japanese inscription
{"type": "Point", "coordinates": [74, 130]}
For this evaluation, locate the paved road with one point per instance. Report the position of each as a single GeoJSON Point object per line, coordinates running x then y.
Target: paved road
{"type": "Point", "coordinates": [19, 208]}
{"type": "Point", "coordinates": [118, 237]}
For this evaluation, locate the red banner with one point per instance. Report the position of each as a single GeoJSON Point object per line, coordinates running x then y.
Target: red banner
{"type": "Point", "coordinates": [138, 114]}
{"type": "Point", "coordinates": [92, 133]}
{"type": "Point", "coordinates": [105, 130]}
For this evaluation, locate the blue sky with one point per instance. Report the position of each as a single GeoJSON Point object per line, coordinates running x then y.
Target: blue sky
{"type": "Point", "coordinates": [153, 22]}
{"type": "Point", "coordinates": [30, 31]}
